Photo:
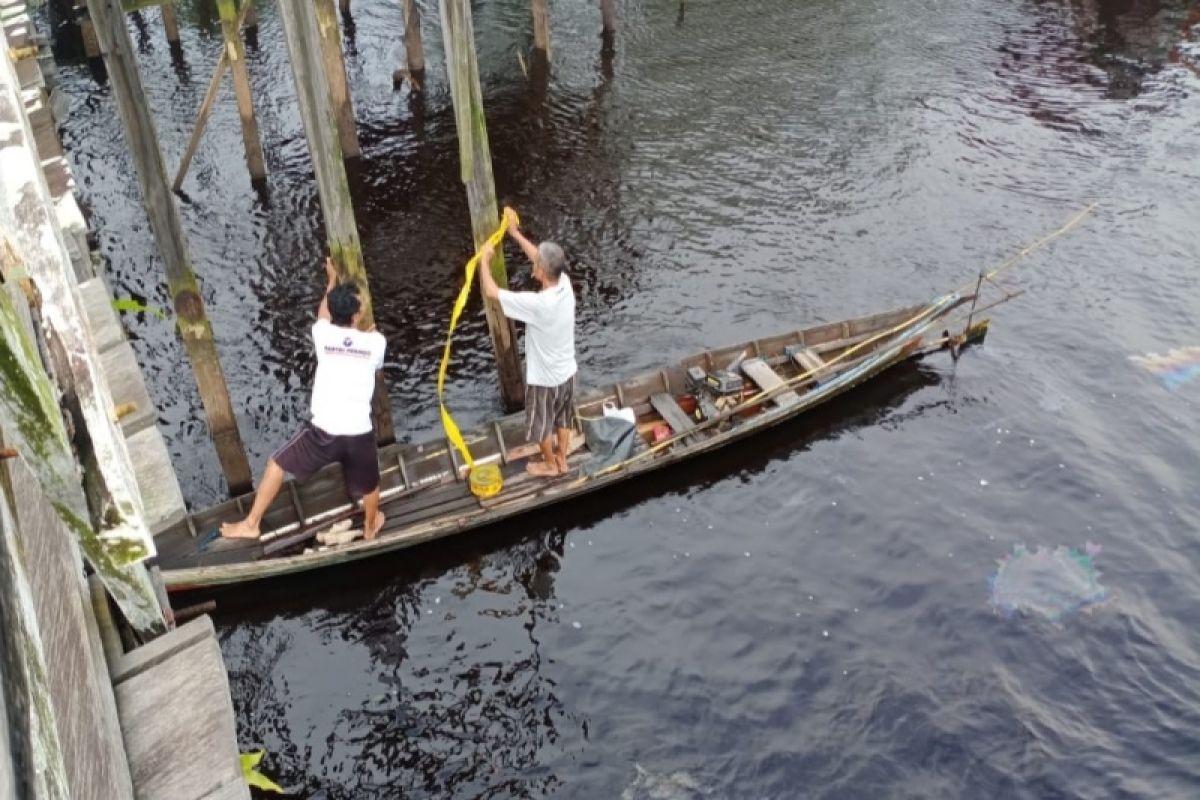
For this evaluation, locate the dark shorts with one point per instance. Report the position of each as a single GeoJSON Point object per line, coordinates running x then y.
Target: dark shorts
{"type": "Point", "coordinates": [548, 408]}
{"type": "Point", "coordinates": [312, 448]}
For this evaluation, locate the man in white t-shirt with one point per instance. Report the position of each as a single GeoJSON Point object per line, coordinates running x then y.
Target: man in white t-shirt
{"type": "Point", "coordinates": [549, 317]}
{"type": "Point", "coordinates": [341, 429]}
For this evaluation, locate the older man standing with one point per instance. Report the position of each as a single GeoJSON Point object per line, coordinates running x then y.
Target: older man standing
{"type": "Point", "coordinates": [549, 317]}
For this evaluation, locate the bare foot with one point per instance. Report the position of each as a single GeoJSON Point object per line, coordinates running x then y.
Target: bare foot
{"type": "Point", "coordinates": [540, 469]}
{"type": "Point", "coordinates": [239, 530]}
{"type": "Point", "coordinates": [369, 535]}
{"type": "Point", "coordinates": [563, 469]}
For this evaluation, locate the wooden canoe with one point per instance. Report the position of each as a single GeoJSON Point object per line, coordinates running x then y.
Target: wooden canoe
{"type": "Point", "coordinates": [424, 486]}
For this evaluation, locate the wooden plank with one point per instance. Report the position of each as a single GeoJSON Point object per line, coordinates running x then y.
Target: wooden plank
{"type": "Point", "coordinates": [85, 714]}
{"type": "Point", "coordinates": [181, 705]}
{"type": "Point", "coordinates": [162, 499]}
{"type": "Point", "coordinates": [807, 359]}
{"type": "Point", "coordinates": [670, 411]}
{"type": "Point", "coordinates": [101, 316]}
{"type": "Point", "coordinates": [768, 379]}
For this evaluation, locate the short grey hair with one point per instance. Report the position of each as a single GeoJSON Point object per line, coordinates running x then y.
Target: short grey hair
{"type": "Point", "coordinates": [552, 258]}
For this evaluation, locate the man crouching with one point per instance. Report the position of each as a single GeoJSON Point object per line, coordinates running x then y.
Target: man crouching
{"type": "Point", "coordinates": [549, 317]}
{"type": "Point", "coordinates": [341, 429]}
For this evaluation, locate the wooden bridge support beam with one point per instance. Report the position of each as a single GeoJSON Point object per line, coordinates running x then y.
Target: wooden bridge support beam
{"type": "Point", "coordinates": [235, 52]}
{"type": "Point", "coordinates": [541, 30]}
{"type": "Point", "coordinates": [170, 22]}
{"type": "Point", "coordinates": [301, 30]}
{"type": "Point", "coordinates": [190, 316]}
{"type": "Point", "coordinates": [608, 16]}
{"type": "Point", "coordinates": [414, 49]}
{"type": "Point", "coordinates": [335, 73]}
{"type": "Point", "coordinates": [458, 36]}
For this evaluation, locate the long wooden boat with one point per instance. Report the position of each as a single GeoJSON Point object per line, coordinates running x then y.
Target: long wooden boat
{"type": "Point", "coordinates": [424, 486]}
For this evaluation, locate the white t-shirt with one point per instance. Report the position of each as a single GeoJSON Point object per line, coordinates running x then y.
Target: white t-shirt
{"type": "Point", "coordinates": [347, 359]}
{"type": "Point", "coordinates": [549, 317]}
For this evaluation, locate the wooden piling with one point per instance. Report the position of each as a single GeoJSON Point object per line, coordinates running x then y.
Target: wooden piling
{"type": "Point", "coordinates": [608, 16]}
{"type": "Point", "coordinates": [462, 66]}
{"type": "Point", "coordinates": [87, 30]}
{"type": "Point", "coordinates": [235, 52]}
{"type": "Point", "coordinates": [194, 327]}
{"type": "Point", "coordinates": [414, 49]}
{"type": "Point", "coordinates": [541, 29]}
{"type": "Point", "coordinates": [170, 23]}
{"type": "Point", "coordinates": [302, 33]}
{"type": "Point", "coordinates": [249, 18]}
{"type": "Point", "coordinates": [344, 5]}
{"type": "Point", "coordinates": [335, 72]}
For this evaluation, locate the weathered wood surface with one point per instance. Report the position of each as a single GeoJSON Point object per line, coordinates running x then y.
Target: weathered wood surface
{"type": "Point", "coordinates": [608, 15]}
{"type": "Point", "coordinates": [335, 71]}
{"type": "Point", "coordinates": [769, 380]}
{"type": "Point", "coordinates": [192, 320]}
{"type": "Point", "coordinates": [170, 22]}
{"type": "Point", "coordinates": [84, 710]}
{"type": "Point", "coordinates": [162, 500]}
{"type": "Point", "coordinates": [541, 28]}
{"type": "Point", "coordinates": [316, 109]}
{"type": "Point", "coordinates": [235, 54]}
{"type": "Point", "coordinates": [177, 718]}
{"type": "Point", "coordinates": [414, 49]}
{"type": "Point", "coordinates": [38, 767]}
{"type": "Point", "coordinates": [445, 507]}
{"type": "Point", "coordinates": [458, 36]}
{"type": "Point", "coordinates": [671, 413]}
{"type": "Point", "coordinates": [37, 245]}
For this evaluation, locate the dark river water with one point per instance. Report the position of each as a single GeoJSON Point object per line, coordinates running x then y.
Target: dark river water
{"type": "Point", "coordinates": [806, 616]}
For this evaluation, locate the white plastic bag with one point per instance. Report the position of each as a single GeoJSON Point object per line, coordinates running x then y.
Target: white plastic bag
{"type": "Point", "coordinates": [611, 410]}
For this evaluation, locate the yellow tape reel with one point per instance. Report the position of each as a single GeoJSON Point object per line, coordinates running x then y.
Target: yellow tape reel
{"type": "Point", "coordinates": [485, 480]}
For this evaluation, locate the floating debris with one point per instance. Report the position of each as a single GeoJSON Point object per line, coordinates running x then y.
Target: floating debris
{"type": "Point", "coordinates": [649, 785]}
{"type": "Point", "coordinates": [1048, 583]}
{"type": "Point", "coordinates": [1176, 368]}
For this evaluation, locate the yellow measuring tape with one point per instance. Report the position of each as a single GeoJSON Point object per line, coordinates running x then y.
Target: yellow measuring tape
{"type": "Point", "coordinates": [485, 480]}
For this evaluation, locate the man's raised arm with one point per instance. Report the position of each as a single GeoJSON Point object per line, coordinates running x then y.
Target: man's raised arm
{"type": "Point", "coordinates": [528, 247]}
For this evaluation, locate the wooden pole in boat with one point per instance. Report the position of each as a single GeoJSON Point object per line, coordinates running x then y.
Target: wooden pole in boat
{"type": "Point", "coordinates": [541, 30]}
{"type": "Point", "coordinates": [235, 54]}
{"type": "Point", "coordinates": [335, 73]}
{"type": "Point", "coordinates": [414, 50]}
{"type": "Point", "coordinates": [170, 23]}
{"type": "Point", "coordinates": [320, 128]}
{"type": "Point", "coordinates": [190, 316]}
{"type": "Point", "coordinates": [459, 40]}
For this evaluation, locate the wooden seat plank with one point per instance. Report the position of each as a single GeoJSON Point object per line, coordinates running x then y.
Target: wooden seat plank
{"type": "Point", "coordinates": [768, 379]}
{"type": "Point", "coordinates": [670, 411]}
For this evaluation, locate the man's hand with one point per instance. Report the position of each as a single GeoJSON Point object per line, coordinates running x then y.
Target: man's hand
{"type": "Point", "coordinates": [511, 216]}
{"type": "Point", "coordinates": [331, 274]}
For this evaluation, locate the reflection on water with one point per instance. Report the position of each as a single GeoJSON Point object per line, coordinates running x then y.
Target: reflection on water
{"type": "Point", "coordinates": [806, 614]}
